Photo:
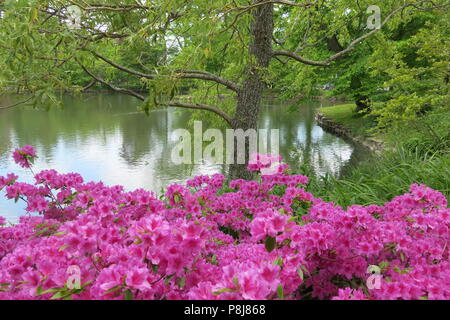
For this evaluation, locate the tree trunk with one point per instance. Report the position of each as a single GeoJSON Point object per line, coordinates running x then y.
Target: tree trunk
{"type": "Point", "coordinates": [249, 97]}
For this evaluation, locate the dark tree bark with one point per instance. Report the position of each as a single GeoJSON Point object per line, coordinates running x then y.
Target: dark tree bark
{"type": "Point", "coordinates": [249, 96]}
{"type": "Point", "coordinates": [333, 44]}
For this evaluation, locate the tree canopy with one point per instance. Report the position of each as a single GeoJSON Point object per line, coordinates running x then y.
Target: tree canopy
{"type": "Point", "coordinates": [154, 50]}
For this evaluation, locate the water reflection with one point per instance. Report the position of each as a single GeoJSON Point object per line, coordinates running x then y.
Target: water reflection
{"type": "Point", "coordinates": [103, 137]}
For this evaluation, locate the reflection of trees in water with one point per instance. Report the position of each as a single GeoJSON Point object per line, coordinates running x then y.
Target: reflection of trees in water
{"type": "Point", "coordinates": [5, 139]}
{"type": "Point", "coordinates": [84, 120]}
{"type": "Point", "coordinates": [141, 135]}
{"type": "Point", "coordinates": [103, 119]}
{"type": "Point", "coordinates": [359, 155]}
{"type": "Point", "coordinates": [302, 142]}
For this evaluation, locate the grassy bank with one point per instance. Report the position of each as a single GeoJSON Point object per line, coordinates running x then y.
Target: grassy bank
{"type": "Point", "coordinates": [346, 115]}
{"type": "Point", "coordinates": [392, 172]}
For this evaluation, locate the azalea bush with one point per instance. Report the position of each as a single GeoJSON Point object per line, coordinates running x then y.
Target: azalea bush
{"type": "Point", "coordinates": [209, 239]}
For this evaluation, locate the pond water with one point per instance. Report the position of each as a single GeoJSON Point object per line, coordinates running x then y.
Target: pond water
{"type": "Point", "coordinates": [104, 137]}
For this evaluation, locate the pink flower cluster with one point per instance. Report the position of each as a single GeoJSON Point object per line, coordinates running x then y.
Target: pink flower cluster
{"type": "Point", "coordinates": [25, 156]}
{"type": "Point", "coordinates": [215, 240]}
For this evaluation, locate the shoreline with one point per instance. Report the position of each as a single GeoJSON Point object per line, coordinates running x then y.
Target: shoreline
{"type": "Point", "coordinates": [343, 132]}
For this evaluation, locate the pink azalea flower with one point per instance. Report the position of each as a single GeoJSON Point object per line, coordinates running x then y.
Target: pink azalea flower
{"type": "Point", "coordinates": [25, 156]}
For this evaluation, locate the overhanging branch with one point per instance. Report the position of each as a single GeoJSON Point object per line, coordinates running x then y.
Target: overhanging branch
{"type": "Point", "coordinates": [282, 2]}
{"type": "Point", "coordinates": [203, 75]}
{"type": "Point", "coordinates": [350, 47]}
{"type": "Point", "coordinates": [200, 106]}
{"type": "Point", "coordinates": [113, 87]}
{"type": "Point", "coordinates": [16, 104]}
{"type": "Point", "coordinates": [89, 85]}
{"type": "Point", "coordinates": [103, 7]}
{"type": "Point", "coordinates": [123, 68]}
{"type": "Point", "coordinates": [183, 74]}
{"type": "Point", "coordinates": [197, 106]}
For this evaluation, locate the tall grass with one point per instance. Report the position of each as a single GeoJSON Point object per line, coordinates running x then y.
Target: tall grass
{"type": "Point", "coordinates": [383, 177]}
{"type": "Point", "coordinates": [420, 153]}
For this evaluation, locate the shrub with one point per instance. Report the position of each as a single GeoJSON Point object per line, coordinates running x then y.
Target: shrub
{"type": "Point", "coordinates": [269, 239]}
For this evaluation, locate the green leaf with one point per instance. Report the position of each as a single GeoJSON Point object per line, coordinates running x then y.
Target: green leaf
{"type": "Point", "coordinates": [155, 268]}
{"type": "Point", "coordinates": [113, 289]}
{"type": "Point", "coordinates": [280, 292]}
{"type": "Point", "coordinates": [278, 262]}
{"type": "Point", "coordinates": [270, 244]}
{"type": "Point", "coordinates": [218, 292]}
{"type": "Point", "coordinates": [51, 290]}
{"type": "Point", "coordinates": [59, 234]}
{"type": "Point", "coordinates": [383, 264]}
{"type": "Point", "coordinates": [300, 273]}
{"type": "Point", "coordinates": [86, 284]}
{"type": "Point", "coordinates": [181, 282]}
{"type": "Point", "coordinates": [305, 270]}
{"type": "Point", "coordinates": [60, 294]}
{"type": "Point", "coordinates": [128, 295]}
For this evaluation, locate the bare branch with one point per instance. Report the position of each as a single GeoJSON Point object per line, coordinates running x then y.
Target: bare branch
{"type": "Point", "coordinates": [200, 106]}
{"type": "Point", "coordinates": [203, 75]}
{"type": "Point", "coordinates": [298, 58]}
{"type": "Point", "coordinates": [102, 7]}
{"type": "Point", "coordinates": [182, 74]}
{"type": "Point", "coordinates": [16, 104]}
{"type": "Point", "coordinates": [350, 47]}
{"type": "Point", "coordinates": [117, 89]}
{"type": "Point", "coordinates": [123, 68]}
{"type": "Point", "coordinates": [197, 106]}
{"type": "Point", "coordinates": [283, 2]}
{"type": "Point", "coordinates": [89, 85]}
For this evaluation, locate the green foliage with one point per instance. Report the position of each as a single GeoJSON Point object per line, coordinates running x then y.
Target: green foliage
{"type": "Point", "coordinates": [384, 177]}
{"type": "Point", "coordinates": [41, 54]}
{"type": "Point", "coordinates": [270, 244]}
{"type": "Point", "coordinates": [418, 152]}
{"type": "Point", "coordinates": [406, 64]}
{"type": "Point", "coordinates": [417, 69]}
{"type": "Point", "coordinates": [347, 116]}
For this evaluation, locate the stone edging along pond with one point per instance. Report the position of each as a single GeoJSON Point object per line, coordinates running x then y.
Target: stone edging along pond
{"type": "Point", "coordinates": [339, 130]}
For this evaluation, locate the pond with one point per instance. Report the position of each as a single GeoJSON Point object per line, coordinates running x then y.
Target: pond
{"type": "Point", "coordinates": [104, 137]}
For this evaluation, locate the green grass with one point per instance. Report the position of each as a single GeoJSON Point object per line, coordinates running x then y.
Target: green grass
{"type": "Point", "coordinates": [383, 177]}
{"type": "Point", "coordinates": [346, 115]}
{"type": "Point", "coordinates": [420, 154]}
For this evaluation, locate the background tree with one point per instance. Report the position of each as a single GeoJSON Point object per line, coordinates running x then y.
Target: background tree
{"type": "Point", "coordinates": [164, 45]}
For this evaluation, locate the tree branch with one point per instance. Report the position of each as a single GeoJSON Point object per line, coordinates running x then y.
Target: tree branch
{"type": "Point", "coordinates": [102, 7]}
{"type": "Point", "coordinates": [89, 85]}
{"type": "Point", "coordinates": [122, 68]}
{"type": "Point", "coordinates": [350, 47]}
{"type": "Point", "coordinates": [16, 104]}
{"type": "Point", "coordinates": [201, 106]}
{"type": "Point", "coordinates": [283, 2]}
{"type": "Point", "coordinates": [298, 58]}
{"type": "Point", "coordinates": [197, 106]}
{"type": "Point", "coordinates": [204, 75]}
{"type": "Point", "coordinates": [183, 74]}
{"type": "Point", "coordinates": [117, 89]}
